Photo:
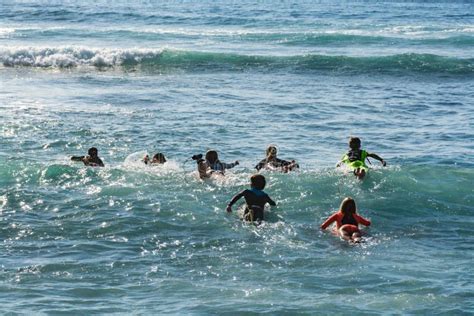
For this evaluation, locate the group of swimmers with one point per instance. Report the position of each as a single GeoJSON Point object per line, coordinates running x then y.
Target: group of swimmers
{"type": "Point", "coordinates": [346, 218]}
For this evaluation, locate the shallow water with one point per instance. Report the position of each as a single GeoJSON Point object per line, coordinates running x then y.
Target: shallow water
{"type": "Point", "coordinates": [235, 77]}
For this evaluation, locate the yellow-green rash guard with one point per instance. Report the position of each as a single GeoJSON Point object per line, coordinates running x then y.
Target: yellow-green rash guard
{"type": "Point", "coordinates": [355, 159]}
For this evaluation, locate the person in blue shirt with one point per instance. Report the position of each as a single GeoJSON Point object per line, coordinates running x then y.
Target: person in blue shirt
{"type": "Point", "coordinates": [255, 199]}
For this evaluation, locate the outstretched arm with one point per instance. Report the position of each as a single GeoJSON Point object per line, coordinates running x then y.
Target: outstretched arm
{"type": "Point", "coordinates": [270, 201]}
{"type": "Point", "coordinates": [331, 219]}
{"type": "Point", "coordinates": [77, 158]}
{"type": "Point", "coordinates": [340, 162]}
{"type": "Point", "coordinates": [230, 165]}
{"type": "Point", "coordinates": [234, 199]}
{"type": "Point", "coordinates": [362, 220]}
{"type": "Point", "coordinates": [261, 164]}
{"type": "Point", "coordinates": [375, 156]}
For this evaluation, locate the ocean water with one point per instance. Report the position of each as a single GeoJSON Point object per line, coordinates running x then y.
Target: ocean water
{"type": "Point", "coordinates": [183, 77]}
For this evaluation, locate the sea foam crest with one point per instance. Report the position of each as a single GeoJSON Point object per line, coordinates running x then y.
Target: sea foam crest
{"type": "Point", "coordinates": [196, 61]}
{"type": "Point", "coordinates": [64, 57]}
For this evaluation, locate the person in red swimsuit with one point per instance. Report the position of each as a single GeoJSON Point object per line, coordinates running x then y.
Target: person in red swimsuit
{"type": "Point", "coordinates": [347, 221]}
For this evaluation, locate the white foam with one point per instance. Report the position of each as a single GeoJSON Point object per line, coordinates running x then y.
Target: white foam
{"type": "Point", "coordinates": [6, 31]}
{"type": "Point", "coordinates": [135, 162]}
{"type": "Point", "coordinates": [359, 30]}
{"type": "Point", "coordinates": [64, 57]}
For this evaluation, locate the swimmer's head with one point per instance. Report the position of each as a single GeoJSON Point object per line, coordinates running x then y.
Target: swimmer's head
{"type": "Point", "coordinates": [93, 152]}
{"type": "Point", "coordinates": [159, 158]}
{"type": "Point", "coordinates": [271, 151]}
{"type": "Point", "coordinates": [354, 142]}
{"type": "Point", "coordinates": [258, 181]}
{"type": "Point", "coordinates": [348, 206]}
{"type": "Point", "coordinates": [211, 156]}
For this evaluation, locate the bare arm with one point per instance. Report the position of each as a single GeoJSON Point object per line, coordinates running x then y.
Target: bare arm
{"type": "Point", "coordinates": [375, 156]}
{"type": "Point", "coordinates": [340, 162]}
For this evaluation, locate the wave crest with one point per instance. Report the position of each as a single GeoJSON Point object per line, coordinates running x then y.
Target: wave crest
{"type": "Point", "coordinates": [191, 61]}
{"type": "Point", "coordinates": [67, 57]}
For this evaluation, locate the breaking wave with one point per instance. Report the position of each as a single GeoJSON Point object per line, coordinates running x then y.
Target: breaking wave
{"type": "Point", "coordinates": [195, 61]}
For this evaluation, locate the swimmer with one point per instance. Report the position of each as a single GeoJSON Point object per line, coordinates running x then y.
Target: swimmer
{"type": "Point", "coordinates": [158, 159]}
{"type": "Point", "coordinates": [355, 158]}
{"type": "Point", "coordinates": [273, 163]}
{"type": "Point", "coordinates": [347, 221]}
{"type": "Point", "coordinates": [92, 160]}
{"type": "Point", "coordinates": [211, 164]}
{"type": "Point", "coordinates": [255, 199]}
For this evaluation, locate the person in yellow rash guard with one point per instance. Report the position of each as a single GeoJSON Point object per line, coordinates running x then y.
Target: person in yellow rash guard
{"type": "Point", "coordinates": [355, 158]}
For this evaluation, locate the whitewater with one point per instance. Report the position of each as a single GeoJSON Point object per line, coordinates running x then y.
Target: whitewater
{"type": "Point", "coordinates": [182, 78]}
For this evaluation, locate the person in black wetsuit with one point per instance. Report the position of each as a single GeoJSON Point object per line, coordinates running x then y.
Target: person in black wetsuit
{"type": "Point", "coordinates": [255, 199]}
{"type": "Point", "coordinates": [271, 162]}
{"type": "Point", "coordinates": [92, 160]}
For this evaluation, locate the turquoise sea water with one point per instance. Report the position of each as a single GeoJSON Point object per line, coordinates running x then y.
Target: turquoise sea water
{"type": "Point", "coordinates": [182, 77]}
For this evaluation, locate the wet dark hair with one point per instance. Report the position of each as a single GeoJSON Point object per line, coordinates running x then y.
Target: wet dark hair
{"type": "Point", "coordinates": [271, 150]}
{"type": "Point", "coordinates": [212, 156]}
{"type": "Point", "coordinates": [160, 157]}
{"type": "Point", "coordinates": [348, 206]}
{"type": "Point", "coordinates": [92, 151]}
{"type": "Point", "coordinates": [354, 142]}
{"type": "Point", "coordinates": [258, 181]}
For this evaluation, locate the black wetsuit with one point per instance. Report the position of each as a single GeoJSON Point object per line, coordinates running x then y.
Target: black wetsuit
{"type": "Point", "coordinates": [275, 162]}
{"type": "Point", "coordinates": [89, 161]}
{"type": "Point", "coordinates": [256, 200]}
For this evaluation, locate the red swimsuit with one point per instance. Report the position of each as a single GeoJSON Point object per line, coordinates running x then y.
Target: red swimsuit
{"type": "Point", "coordinates": [339, 216]}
